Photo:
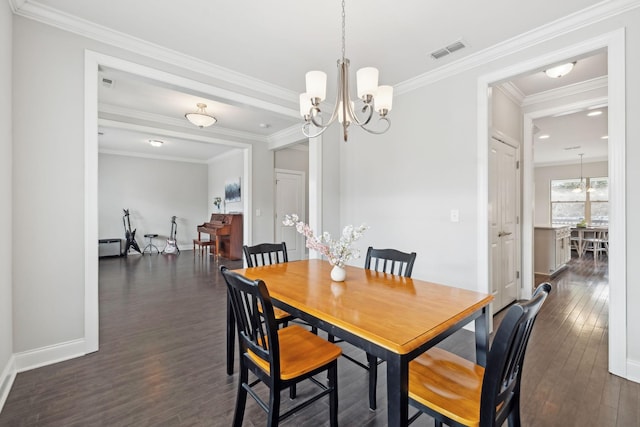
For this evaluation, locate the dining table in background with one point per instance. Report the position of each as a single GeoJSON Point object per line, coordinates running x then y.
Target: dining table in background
{"type": "Point", "coordinates": [580, 235]}
{"type": "Point", "coordinates": [391, 317]}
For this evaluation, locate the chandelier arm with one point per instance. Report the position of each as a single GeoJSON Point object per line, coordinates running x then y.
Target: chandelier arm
{"type": "Point", "coordinates": [366, 120]}
{"type": "Point", "coordinates": [378, 132]}
{"type": "Point", "coordinates": [305, 130]}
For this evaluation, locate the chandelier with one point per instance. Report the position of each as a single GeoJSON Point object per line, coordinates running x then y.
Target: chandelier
{"type": "Point", "coordinates": [374, 97]}
{"type": "Point", "coordinates": [583, 185]}
{"type": "Point", "coordinates": [200, 118]}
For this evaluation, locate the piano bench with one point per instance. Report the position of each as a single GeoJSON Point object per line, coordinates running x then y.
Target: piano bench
{"type": "Point", "coordinates": [202, 245]}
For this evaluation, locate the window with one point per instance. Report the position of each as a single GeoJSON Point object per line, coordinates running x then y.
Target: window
{"type": "Point", "coordinates": [570, 206]}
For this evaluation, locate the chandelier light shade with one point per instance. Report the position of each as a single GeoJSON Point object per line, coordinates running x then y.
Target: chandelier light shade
{"type": "Point", "coordinates": [200, 118]}
{"type": "Point", "coordinates": [370, 95]}
{"type": "Point", "coordinates": [560, 70]}
{"type": "Point", "coordinates": [583, 185]}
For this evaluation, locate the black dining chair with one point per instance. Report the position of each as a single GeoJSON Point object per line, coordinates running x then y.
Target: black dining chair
{"type": "Point", "coordinates": [390, 261]}
{"type": "Point", "coordinates": [457, 392]}
{"type": "Point", "coordinates": [261, 254]}
{"type": "Point", "coordinates": [279, 358]}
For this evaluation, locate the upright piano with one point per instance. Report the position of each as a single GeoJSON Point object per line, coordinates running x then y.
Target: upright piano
{"type": "Point", "coordinates": [226, 230]}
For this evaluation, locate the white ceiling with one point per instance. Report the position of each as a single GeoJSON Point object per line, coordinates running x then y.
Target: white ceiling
{"type": "Point", "coordinates": [275, 43]}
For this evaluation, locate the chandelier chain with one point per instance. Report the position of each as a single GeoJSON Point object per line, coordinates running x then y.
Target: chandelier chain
{"type": "Point", "coordinates": [343, 32]}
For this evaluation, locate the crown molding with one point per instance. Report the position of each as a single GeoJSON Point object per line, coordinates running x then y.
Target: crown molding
{"type": "Point", "coordinates": [292, 134]}
{"type": "Point", "coordinates": [50, 16]}
{"type": "Point", "coordinates": [215, 131]}
{"type": "Point", "coordinates": [170, 133]}
{"type": "Point", "coordinates": [151, 156]}
{"type": "Point", "coordinates": [16, 5]}
{"type": "Point", "coordinates": [512, 92]}
{"type": "Point", "coordinates": [564, 91]}
{"type": "Point", "coordinates": [564, 25]}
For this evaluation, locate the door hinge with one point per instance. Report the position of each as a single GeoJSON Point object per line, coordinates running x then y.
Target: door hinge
{"type": "Point", "coordinates": [517, 274]}
{"type": "Point", "coordinates": [517, 220]}
{"type": "Point", "coordinates": [517, 164]}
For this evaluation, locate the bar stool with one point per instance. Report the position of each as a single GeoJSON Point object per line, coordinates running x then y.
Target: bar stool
{"type": "Point", "coordinates": [150, 244]}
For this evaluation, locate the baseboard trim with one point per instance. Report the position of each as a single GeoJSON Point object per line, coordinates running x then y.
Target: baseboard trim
{"type": "Point", "coordinates": [6, 380]}
{"type": "Point", "coordinates": [32, 359]}
{"type": "Point", "coordinates": [633, 370]}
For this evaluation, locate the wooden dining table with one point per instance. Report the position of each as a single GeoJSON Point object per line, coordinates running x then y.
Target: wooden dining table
{"type": "Point", "coordinates": [391, 317]}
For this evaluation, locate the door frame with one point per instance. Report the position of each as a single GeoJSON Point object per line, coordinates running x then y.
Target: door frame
{"type": "Point", "coordinates": [614, 42]}
{"type": "Point", "coordinates": [92, 61]}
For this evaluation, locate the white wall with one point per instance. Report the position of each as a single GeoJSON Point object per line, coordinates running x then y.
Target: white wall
{"type": "Point", "coordinates": [543, 177]}
{"type": "Point", "coordinates": [404, 183]}
{"type": "Point", "coordinates": [48, 180]}
{"type": "Point", "coordinates": [506, 116]}
{"type": "Point", "coordinates": [6, 312]}
{"type": "Point", "coordinates": [153, 190]}
{"type": "Point", "coordinates": [228, 166]}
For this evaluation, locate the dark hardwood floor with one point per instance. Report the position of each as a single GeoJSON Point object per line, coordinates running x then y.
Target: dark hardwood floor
{"type": "Point", "coordinates": [162, 359]}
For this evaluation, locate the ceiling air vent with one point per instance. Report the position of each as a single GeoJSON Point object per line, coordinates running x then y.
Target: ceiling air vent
{"type": "Point", "coordinates": [108, 83]}
{"type": "Point", "coordinates": [437, 54]}
{"type": "Point", "coordinates": [573, 147]}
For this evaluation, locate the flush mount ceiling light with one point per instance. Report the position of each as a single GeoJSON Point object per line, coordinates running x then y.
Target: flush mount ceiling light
{"type": "Point", "coordinates": [200, 118]}
{"type": "Point", "coordinates": [156, 142]}
{"type": "Point", "coordinates": [560, 70]}
{"type": "Point", "coordinates": [594, 113]}
{"type": "Point", "coordinates": [544, 136]}
{"type": "Point", "coordinates": [367, 90]}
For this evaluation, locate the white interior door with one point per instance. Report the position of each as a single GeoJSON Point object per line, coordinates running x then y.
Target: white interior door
{"type": "Point", "coordinates": [503, 223]}
{"type": "Point", "coordinates": [290, 198]}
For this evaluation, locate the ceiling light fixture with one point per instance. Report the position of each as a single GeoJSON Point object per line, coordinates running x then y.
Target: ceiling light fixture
{"type": "Point", "coordinates": [594, 113]}
{"type": "Point", "coordinates": [200, 118]}
{"type": "Point", "coordinates": [367, 90]}
{"type": "Point", "coordinates": [604, 137]}
{"type": "Point", "coordinates": [560, 70]}
{"type": "Point", "coordinates": [544, 136]}
{"type": "Point", "coordinates": [156, 142]}
{"type": "Point", "coordinates": [581, 187]}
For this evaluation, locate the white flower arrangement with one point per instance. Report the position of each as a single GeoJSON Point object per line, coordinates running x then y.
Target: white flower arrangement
{"type": "Point", "coordinates": [338, 252]}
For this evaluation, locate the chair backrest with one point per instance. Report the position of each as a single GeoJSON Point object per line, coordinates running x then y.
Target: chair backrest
{"type": "Point", "coordinates": [253, 311]}
{"type": "Point", "coordinates": [390, 261]}
{"type": "Point", "coordinates": [265, 254]}
{"type": "Point", "coordinates": [501, 383]}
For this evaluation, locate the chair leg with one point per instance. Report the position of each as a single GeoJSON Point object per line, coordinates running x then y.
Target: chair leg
{"type": "Point", "coordinates": [230, 338]}
{"type": "Point", "coordinates": [331, 338]}
{"type": "Point", "coordinates": [274, 407]}
{"type": "Point", "coordinates": [513, 419]}
{"type": "Point", "coordinates": [241, 400]}
{"type": "Point", "coordinates": [292, 392]}
{"type": "Point", "coordinates": [373, 380]}
{"type": "Point", "coordinates": [332, 374]}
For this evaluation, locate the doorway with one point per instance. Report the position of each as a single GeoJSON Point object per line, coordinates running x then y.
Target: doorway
{"type": "Point", "coordinates": [614, 43]}
{"type": "Point", "coordinates": [290, 199]}
{"type": "Point", "coordinates": [93, 62]}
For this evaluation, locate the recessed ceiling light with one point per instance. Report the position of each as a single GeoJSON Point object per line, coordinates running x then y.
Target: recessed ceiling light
{"type": "Point", "coordinates": [156, 142]}
{"type": "Point", "coordinates": [594, 113]}
{"type": "Point", "coordinates": [264, 125]}
{"type": "Point", "coordinates": [544, 136]}
{"type": "Point", "coordinates": [604, 137]}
